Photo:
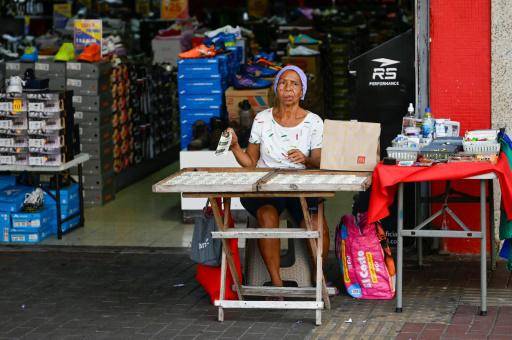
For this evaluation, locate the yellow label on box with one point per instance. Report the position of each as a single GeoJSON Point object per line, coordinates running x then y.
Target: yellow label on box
{"type": "Point", "coordinates": [17, 105]}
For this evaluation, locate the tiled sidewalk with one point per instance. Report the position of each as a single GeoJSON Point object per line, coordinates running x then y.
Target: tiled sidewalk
{"type": "Point", "coordinates": [109, 293]}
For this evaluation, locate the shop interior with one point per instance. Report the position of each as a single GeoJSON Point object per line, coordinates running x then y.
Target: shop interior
{"type": "Point", "coordinates": [133, 119]}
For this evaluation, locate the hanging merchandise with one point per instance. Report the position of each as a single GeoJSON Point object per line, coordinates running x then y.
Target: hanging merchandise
{"type": "Point", "coordinates": [174, 9]}
{"type": "Point", "coordinates": [61, 15]}
{"type": "Point", "coordinates": [87, 32]}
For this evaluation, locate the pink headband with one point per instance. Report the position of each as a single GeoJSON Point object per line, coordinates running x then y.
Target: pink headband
{"type": "Point", "coordinates": [302, 75]}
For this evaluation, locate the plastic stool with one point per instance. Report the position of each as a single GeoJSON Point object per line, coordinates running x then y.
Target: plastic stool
{"type": "Point", "coordinates": [295, 263]}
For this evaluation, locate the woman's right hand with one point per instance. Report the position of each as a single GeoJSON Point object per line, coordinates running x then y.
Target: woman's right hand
{"type": "Point", "coordinates": [234, 138]}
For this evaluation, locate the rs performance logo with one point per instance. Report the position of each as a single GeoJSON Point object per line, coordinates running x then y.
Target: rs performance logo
{"type": "Point", "coordinates": [384, 75]}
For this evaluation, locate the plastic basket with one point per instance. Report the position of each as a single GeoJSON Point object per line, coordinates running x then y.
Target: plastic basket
{"type": "Point", "coordinates": [402, 154]}
{"type": "Point", "coordinates": [481, 148]}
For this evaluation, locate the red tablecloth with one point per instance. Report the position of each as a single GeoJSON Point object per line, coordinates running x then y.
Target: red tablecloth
{"type": "Point", "coordinates": [386, 178]}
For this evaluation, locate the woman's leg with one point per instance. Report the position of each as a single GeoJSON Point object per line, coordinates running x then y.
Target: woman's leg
{"type": "Point", "coordinates": [270, 248]}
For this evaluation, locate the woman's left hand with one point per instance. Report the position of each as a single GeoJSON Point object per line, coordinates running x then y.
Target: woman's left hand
{"type": "Point", "coordinates": [296, 156]}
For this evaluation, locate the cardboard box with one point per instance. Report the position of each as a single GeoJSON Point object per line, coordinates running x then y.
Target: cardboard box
{"type": "Point", "coordinates": [98, 181]}
{"type": "Point", "coordinates": [88, 70]}
{"type": "Point", "coordinates": [94, 119]}
{"type": "Point", "coordinates": [98, 197]}
{"type": "Point", "coordinates": [201, 101]}
{"type": "Point", "coordinates": [36, 237]}
{"type": "Point", "coordinates": [201, 86]}
{"type": "Point", "coordinates": [260, 99]}
{"type": "Point", "coordinates": [50, 69]}
{"type": "Point", "coordinates": [33, 222]}
{"type": "Point", "coordinates": [98, 151]}
{"type": "Point", "coordinates": [190, 116]}
{"type": "Point", "coordinates": [17, 68]}
{"type": "Point", "coordinates": [101, 103]}
{"type": "Point", "coordinates": [88, 87]}
{"type": "Point", "coordinates": [96, 166]}
{"type": "Point", "coordinates": [68, 195]}
{"type": "Point", "coordinates": [5, 226]}
{"type": "Point", "coordinates": [202, 68]}
{"type": "Point", "coordinates": [91, 134]}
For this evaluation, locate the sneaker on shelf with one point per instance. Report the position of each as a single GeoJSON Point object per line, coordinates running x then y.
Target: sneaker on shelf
{"type": "Point", "coordinates": [303, 39]}
{"type": "Point", "coordinates": [30, 55]}
{"type": "Point", "coordinates": [302, 50]}
{"type": "Point", "coordinates": [267, 56]}
{"type": "Point", "coordinates": [33, 200]}
{"type": "Point", "coordinates": [228, 29]}
{"type": "Point", "coordinates": [268, 64]}
{"type": "Point", "coordinates": [201, 51]}
{"type": "Point", "coordinates": [244, 81]}
{"type": "Point", "coordinates": [257, 71]}
{"type": "Point", "coordinates": [14, 86]}
{"type": "Point", "coordinates": [8, 54]}
{"type": "Point", "coordinates": [66, 52]}
{"type": "Point", "coordinates": [48, 44]}
{"type": "Point", "coordinates": [91, 54]}
{"type": "Point", "coordinates": [221, 41]}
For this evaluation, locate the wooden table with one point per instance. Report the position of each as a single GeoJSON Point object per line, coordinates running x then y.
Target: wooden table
{"type": "Point", "coordinates": [265, 182]}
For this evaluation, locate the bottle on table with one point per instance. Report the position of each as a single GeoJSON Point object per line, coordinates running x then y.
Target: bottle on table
{"type": "Point", "coordinates": [428, 124]}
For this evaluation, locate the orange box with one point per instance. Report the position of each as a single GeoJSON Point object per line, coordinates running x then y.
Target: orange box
{"type": "Point", "coordinates": [260, 99]}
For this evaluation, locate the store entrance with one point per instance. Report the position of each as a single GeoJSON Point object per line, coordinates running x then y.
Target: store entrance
{"type": "Point", "coordinates": [140, 118]}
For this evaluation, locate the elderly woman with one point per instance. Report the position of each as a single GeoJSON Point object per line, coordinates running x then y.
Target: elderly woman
{"type": "Point", "coordinates": [287, 137]}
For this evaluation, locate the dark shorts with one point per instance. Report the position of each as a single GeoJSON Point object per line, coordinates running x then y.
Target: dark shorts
{"type": "Point", "coordinates": [292, 204]}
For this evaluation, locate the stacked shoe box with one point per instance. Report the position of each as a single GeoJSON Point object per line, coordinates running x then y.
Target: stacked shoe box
{"type": "Point", "coordinates": [92, 99]}
{"type": "Point", "coordinates": [17, 68]}
{"type": "Point", "coordinates": [122, 125]}
{"type": "Point", "coordinates": [54, 71]}
{"type": "Point", "coordinates": [13, 130]}
{"type": "Point", "coordinates": [164, 111]}
{"type": "Point", "coordinates": [201, 85]}
{"type": "Point", "coordinates": [50, 128]}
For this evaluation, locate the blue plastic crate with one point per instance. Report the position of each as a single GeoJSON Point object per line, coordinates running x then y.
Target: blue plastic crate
{"type": "Point", "coordinates": [12, 197]}
{"type": "Point", "coordinates": [32, 222]}
{"type": "Point", "coordinates": [201, 101]}
{"type": "Point", "coordinates": [202, 86]}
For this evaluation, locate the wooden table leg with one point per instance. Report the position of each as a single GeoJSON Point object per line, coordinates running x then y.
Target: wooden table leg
{"type": "Point", "coordinates": [225, 246]}
{"type": "Point", "coordinates": [314, 246]}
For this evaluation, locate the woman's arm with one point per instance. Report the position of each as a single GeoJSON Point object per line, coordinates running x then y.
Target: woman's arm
{"type": "Point", "coordinates": [247, 158]}
{"type": "Point", "coordinates": [313, 161]}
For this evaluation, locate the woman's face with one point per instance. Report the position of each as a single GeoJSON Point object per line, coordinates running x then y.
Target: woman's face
{"type": "Point", "coordinates": [289, 88]}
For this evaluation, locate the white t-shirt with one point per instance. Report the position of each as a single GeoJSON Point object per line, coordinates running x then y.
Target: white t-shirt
{"type": "Point", "coordinates": [276, 140]}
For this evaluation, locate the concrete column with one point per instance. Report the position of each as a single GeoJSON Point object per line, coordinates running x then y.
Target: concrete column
{"type": "Point", "coordinates": [501, 74]}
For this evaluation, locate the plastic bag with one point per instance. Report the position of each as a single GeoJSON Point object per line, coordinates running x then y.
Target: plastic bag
{"type": "Point", "coordinates": [367, 266]}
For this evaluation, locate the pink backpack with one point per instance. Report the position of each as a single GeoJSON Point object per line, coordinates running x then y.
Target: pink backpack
{"type": "Point", "coordinates": [365, 258]}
